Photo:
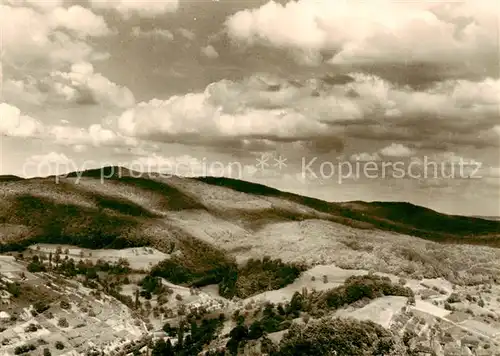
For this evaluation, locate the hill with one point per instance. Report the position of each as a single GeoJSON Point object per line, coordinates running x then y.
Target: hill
{"type": "Point", "coordinates": [219, 221]}
{"type": "Point", "coordinates": [110, 264]}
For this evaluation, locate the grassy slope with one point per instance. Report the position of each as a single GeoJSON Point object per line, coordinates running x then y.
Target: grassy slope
{"type": "Point", "coordinates": [391, 216]}
{"type": "Point", "coordinates": [118, 215]}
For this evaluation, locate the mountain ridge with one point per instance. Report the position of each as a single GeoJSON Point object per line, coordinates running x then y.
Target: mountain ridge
{"type": "Point", "coordinates": [75, 193]}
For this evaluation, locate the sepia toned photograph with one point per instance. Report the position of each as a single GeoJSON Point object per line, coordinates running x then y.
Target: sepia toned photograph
{"type": "Point", "coordinates": [250, 177]}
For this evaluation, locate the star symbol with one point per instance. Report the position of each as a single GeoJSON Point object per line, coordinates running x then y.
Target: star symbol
{"type": "Point", "coordinates": [262, 161]}
{"type": "Point", "coordinates": [280, 162]}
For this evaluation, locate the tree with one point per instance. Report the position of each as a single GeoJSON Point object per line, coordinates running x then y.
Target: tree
{"type": "Point", "coordinates": [256, 330]}
{"type": "Point", "coordinates": [63, 323]}
{"type": "Point", "coordinates": [59, 345]}
{"type": "Point", "coordinates": [136, 304]}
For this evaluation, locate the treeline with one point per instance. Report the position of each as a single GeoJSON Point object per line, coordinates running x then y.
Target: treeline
{"type": "Point", "coordinates": [68, 267]}
{"type": "Point", "coordinates": [254, 277]}
{"type": "Point", "coordinates": [192, 335]}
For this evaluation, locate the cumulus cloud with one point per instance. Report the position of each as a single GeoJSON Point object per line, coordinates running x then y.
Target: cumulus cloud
{"type": "Point", "coordinates": [187, 34]}
{"type": "Point", "coordinates": [127, 8]}
{"type": "Point", "coordinates": [30, 36]}
{"type": "Point", "coordinates": [82, 85]}
{"type": "Point", "coordinates": [95, 135]}
{"type": "Point", "coordinates": [14, 123]}
{"type": "Point", "coordinates": [157, 32]}
{"type": "Point", "coordinates": [79, 20]}
{"type": "Point", "coordinates": [210, 52]}
{"type": "Point", "coordinates": [315, 112]}
{"type": "Point", "coordinates": [376, 31]}
{"type": "Point", "coordinates": [396, 150]}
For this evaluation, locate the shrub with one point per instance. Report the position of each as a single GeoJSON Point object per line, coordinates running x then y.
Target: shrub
{"type": "Point", "coordinates": [63, 323]}
{"type": "Point", "coordinates": [41, 306]}
{"type": "Point", "coordinates": [24, 349]}
{"type": "Point", "coordinates": [454, 298]}
{"type": "Point", "coordinates": [59, 345]}
{"type": "Point", "coordinates": [46, 352]}
{"type": "Point", "coordinates": [64, 304]}
{"type": "Point", "coordinates": [31, 328]}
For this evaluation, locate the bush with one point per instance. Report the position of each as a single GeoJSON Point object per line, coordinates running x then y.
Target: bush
{"type": "Point", "coordinates": [31, 328]}
{"type": "Point", "coordinates": [59, 345]}
{"type": "Point", "coordinates": [46, 352]}
{"type": "Point", "coordinates": [24, 349]}
{"type": "Point", "coordinates": [454, 298]}
{"type": "Point", "coordinates": [64, 304]}
{"type": "Point", "coordinates": [40, 307]}
{"type": "Point", "coordinates": [63, 323]}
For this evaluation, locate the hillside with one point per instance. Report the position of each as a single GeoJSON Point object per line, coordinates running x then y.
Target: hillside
{"type": "Point", "coordinates": [111, 264]}
{"type": "Point", "coordinates": [391, 216]}
{"type": "Point", "coordinates": [122, 211]}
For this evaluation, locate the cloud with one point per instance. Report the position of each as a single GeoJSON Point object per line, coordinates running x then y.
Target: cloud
{"type": "Point", "coordinates": [396, 150]}
{"type": "Point", "coordinates": [157, 32]}
{"type": "Point", "coordinates": [83, 85]}
{"type": "Point", "coordinates": [147, 9]}
{"type": "Point", "coordinates": [95, 135]}
{"type": "Point", "coordinates": [79, 20]}
{"type": "Point", "coordinates": [375, 31]}
{"type": "Point", "coordinates": [14, 123]}
{"type": "Point", "coordinates": [316, 113]}
{"type": "Point", "coordinates": [210, 52]}
{"type": "Point", "coordinates": [187, 34]}
{"type": "Point", "coordinates": [31, 38]}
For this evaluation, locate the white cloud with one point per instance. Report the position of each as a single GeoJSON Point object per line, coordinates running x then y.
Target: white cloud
{"type": "Point", "coordinates": [30, 36]}
{"type": "Point", "coordinates": [13, 123]}
{"type": "Point", "coordinates": [381, 31]}
{"type": "Point", "coordinates": [81, 21]}
{"type": "Point", "coordinates": [83, 84]}
{"type": "Point", "coordinates": [157, 32]}
{"type": "Point", "coordinates": [267, 108]}
{"type": "Point", "coordinates": [210, 52]}
{"type": "Point", "coordinates": [396, 150]}
{"type": "Point", "coordinates": [141, 8]}
{"type": "Point", "coordinates": [96, 135]}
{"type": "Point", "coordinates": [187, 34]}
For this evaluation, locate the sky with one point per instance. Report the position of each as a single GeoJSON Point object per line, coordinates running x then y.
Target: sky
{"type": "Point", "coordinates": [339, 100]}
